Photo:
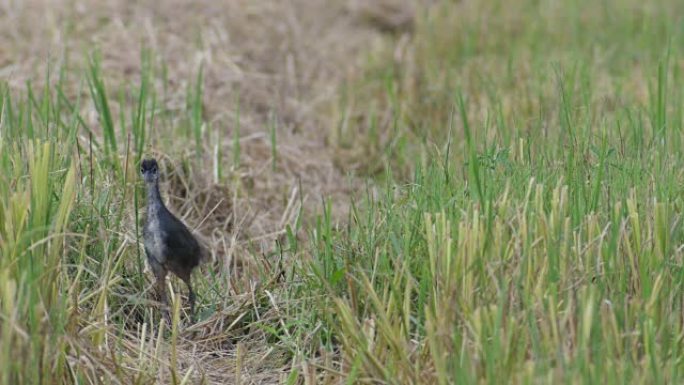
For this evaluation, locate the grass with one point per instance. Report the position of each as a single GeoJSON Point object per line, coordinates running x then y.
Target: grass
{"type": "Point", "coordinates": [520, 217]}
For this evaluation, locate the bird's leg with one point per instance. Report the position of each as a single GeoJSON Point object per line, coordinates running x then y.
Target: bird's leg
{"type": "Point", "coordinates": [191, 299]}
{"type": "Point", "coordinates": [161, 291]}
{"type": "Point", "coordinates": [191, 294]}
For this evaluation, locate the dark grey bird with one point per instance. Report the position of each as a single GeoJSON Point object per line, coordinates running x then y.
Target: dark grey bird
{"type": "Point", "coordinates": [169, 245]}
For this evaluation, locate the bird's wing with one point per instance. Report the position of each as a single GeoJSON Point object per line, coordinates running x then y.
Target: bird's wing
{"type": "Point", "coordinates": [181, 241]}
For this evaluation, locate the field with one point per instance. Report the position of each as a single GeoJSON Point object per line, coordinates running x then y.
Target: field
{"type": "Point", "coordinates": [392, 192]}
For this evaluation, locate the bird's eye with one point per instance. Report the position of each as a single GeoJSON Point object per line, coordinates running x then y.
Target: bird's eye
{"type": "Point", "coordinates": [142, 170]}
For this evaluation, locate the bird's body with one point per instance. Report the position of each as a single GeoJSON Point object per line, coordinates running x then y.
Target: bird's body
{"type": "Point", "coordinates": [169, 245]}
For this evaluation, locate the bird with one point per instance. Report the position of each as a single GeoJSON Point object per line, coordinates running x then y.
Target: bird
{"type": "Point", "coordinates": [169, 244]}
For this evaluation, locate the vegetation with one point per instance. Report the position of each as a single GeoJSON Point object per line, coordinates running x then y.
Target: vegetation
{"type": "Point", "coordinates": [516, 215]}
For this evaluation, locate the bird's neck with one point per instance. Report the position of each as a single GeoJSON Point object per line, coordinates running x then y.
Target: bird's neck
{"type": "Point", "coordinates": [154, 201]}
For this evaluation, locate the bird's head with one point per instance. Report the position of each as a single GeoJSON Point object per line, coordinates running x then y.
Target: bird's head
{"type": "Point", "coordinates": [149, 169]}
